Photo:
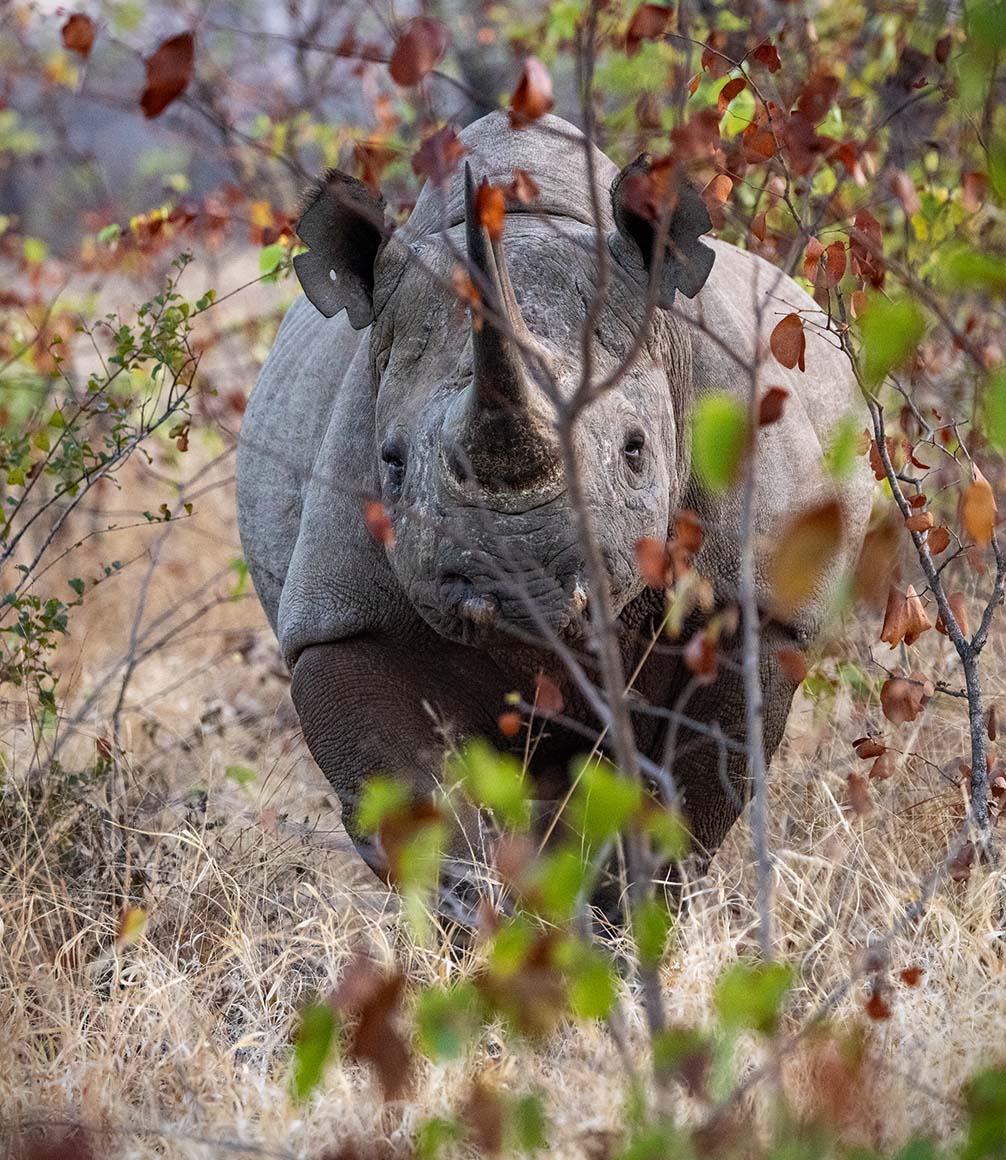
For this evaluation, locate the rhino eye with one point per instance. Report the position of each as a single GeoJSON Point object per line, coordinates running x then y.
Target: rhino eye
{"type": "Point", "coordinates": [393, 455]}
{"type": "Point", "coordinates": [633, 449]}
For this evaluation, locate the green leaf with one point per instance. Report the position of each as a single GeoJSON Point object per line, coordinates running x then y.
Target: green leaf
{"type": "Point", "coordinates": [77, 585]}
{"type": "Point", "coordinates": [35, 251]}
{"type": "Point", "coordinates": [560, 877]}
{"type": "Point", "coordinates": [527, 1119]}
{"type": "Point", "coordinates": [719, 439]}
{"type": "Point", "coordinates": [986, 1104]}
{"type": "Point", "coordinates": [315, 1038]}
{"type": "Point", "coordinates": [435, 1134]}
{"type": "Point", "coordinates": [381, 797]}
{"type": "Point", "coordinates": [994, 410]}
{"type": "Point", "coordinates": [651, 924]}
{"type": "Point", "coordinates": [270, 258]}
{"type": "Point", "coordinates": [447, 1020]}
{"type": "Point", "coordinates": [841, 453]}
{"type": "Point", "coordinates": [591, 981]}
{"type": "Point", "coordinates": [968, 269]}
{"type": "Point", "coordinates": [240, 774]}
{"type": "Point", "coordinates": [748, 995]}
{"type": "Point", "coordinates": [493, 780]}
{"type": "Point", "coordinates": [109, 234]}
{"type": "Point", "coordinates": [668, 832]}
{"type": "Point", "coordinates": [891, 332]}
{"type": "Point", "coordinates": [603, 801]}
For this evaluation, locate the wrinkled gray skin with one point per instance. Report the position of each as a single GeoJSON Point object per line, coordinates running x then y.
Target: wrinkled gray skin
{"type": "Point", "coordinates": [393, 647]}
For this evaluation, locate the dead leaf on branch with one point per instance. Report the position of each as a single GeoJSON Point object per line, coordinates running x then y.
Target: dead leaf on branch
{"type": "Point", "coordinates": [807, 546]}
{"type": "Point", "coordinates": [532, 98]}
{"type": "Point", "coordinates": [789, 343]}
{"type": "Point", "coordinates": [490, 208]}
{"type": "Point", "coordinates": [902, 698]}
{"type": "Point", "coordinates": [771, 406]}
{"type": "Point", "coordinates": [905, 618]}
{"type": "Point", "coordinates": [959, 608]}
{"type": "Point", "coordinates": [649, 22]}
{"type": "Point", "coordinates": [438, 156]}
{"type": "Point", "coordinates": [169, 71]}
{"type": "Point", "coordinates": [78, 34]}
{"type": "Point", "coordinates": [978, 509]}
{"type": "Point", "coordinates": [418, 51]}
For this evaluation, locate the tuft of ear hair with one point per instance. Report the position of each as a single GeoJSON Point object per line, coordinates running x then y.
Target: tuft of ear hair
{"type": "Point", "coordinates": [344, 226]}
{"type": "Point", "coordinates": [641, 194]}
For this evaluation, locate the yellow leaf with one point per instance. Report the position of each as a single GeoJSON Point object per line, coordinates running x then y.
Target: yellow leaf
{"type": "Point", "coordinates": [978, 508]}
{"type": "Point", "coordinates": [132, 924]}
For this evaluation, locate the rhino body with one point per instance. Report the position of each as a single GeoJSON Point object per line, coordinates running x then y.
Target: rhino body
{"type": "Point", "coordinates": [397, 648]}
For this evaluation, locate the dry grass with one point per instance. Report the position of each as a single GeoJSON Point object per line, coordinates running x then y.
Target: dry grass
{"type": "Point", "coordinates": [179, 1044]}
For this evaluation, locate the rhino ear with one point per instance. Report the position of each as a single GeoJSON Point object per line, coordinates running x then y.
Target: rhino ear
{"type": "Point", "coordinates": [344, 227]}
{"type": "Point", "coordinates": [637, 196]}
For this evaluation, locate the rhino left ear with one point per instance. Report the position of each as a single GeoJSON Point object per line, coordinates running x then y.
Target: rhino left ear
{"type": "Point", "coordinates": [638, 194]}
{"type": "Point", "coordinates": [344, 226]}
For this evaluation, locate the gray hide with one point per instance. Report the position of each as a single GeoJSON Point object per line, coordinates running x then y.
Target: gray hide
{"type": "Point", "coordinates": [381, 667]}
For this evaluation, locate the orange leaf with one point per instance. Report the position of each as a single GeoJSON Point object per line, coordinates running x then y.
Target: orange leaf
{"type": "Point", "coordinates": [490, 208]}
{"type": "Point", "coordinates": [78, 34]}
{"type": "Point", "coordinates": [728, 92]}
{"type": "Point", "coordinates": [978, 509]}
{"type": "Point", "coordinates": [959, 608]}
{"type": "Point", "coordinates": [902, 698]}
{"type": "Point", "coordinates": [651, 558]}
{"type": "Point", "coordinates": [378, 522]}
{"type": "Point", "coordinates": [418, 50]}
{"type": "Point", "coordinates": [905, 617]}
{"type": "Point", "coordinates": [532, 98]}
{"type": "Point", "coordinates": [867, 747]}
{"type": "Point", "coordinates": [169, 71]}
{"type": "Point", "coordinates": [758, 226]}
{"type": "Point", "coordinates": [911, 976]}
{"type": "Point", "coordinates": [789, 343]}
{"type": "Point", "coordinates": [807, 545]}
{"type": "Point", "coordinates": [509, 723]}
{"type": "Point", "coordinates": [920, 522]}
{"type": "Point", "coordinates": [812, 259]}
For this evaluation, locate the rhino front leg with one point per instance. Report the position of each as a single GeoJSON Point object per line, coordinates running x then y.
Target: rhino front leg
{"type": "Point", "coordinates": [710, 771]}
{"type": "Point", "coordinates": [373, 706]}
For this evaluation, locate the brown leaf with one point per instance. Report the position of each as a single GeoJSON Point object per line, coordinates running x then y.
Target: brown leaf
{"type": "Point", "coordinates": [758, 226]}
{"type": "Point", "coordinates": [959, 608]}
{"type": "Point", "coordinates": [649, 22]}
{"type": "Point", "coordinates": [169, 71]}
{"type": "Point", "coordinates": [718, 190]}
{"type": "Point", "coordinates": [378, 522]}
{"type": "Point", "coordinates": [772, 405]}
{"type": "Point", "coordinates": [490, 208]}
{"type": "Point", "coordinates": [482, 1114]}
{"type": "Point", "coordinates": [730, 90]}
{"type": "Point", "coordinates": [438, 156]}
{"type": "Point", "coordinates": [547, 695]}
{"type": "Point", "coordinates": [834, 264]}
{"type": "Point", "coordinates": [974, 190]}
{"type": "Point", "coordinates": [938, 541]}
{"type": "Point", "coordinates": [793, 664]}
{"type": "Point", "coordinates": [532, 98]}
{"type": "Point", "coordinates": [523, 187]}
{"type": "Point", "coordinates": [858, 302]}
{"type": "Point", "coordinates": [812, 259]}
{"type": "Point", "coordinates": [859, 793]}
{"type": "Point", "coordinates": [651, 558]}
{"type": "Point", "coordinates": [869, 747]}
{"type": "Point", "coordinates": [920, 522]}
{"type": "Point", "coordinates": [978, 508]}
{"type": "Point", "coordinates": [876, 1006]}
{"type": "Point", "coordinates": [807, 545]}
{"type": "Point", "coordinates": [866, 249]}
{"type": "Point", "coordinates": [700, 657]}
{"type": "Point", "coordinates": [911, 976]}
{"type": "Point", "coordinates": [959, 866]}
{"type": "Point", "coordinates": [768, 55]}
{"type": "Point", "coordinates": [789, 343]}
{"type": "Point", "coordinates": [884, 766]}
{"type": "Point", "coordinates": [418, 51]}
{"type": "Point", "coordinates": [78, 34]}
{"type": "Point", "coordinates": [942, 50]}
{"type": "Point", "coordinates": [991, 727]}
{"type": "Point", "coordinates": [372, 997]}
{"type": "Point", "coordinates": [902, 698]}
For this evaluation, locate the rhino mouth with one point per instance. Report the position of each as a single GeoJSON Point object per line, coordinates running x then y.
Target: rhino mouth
{"type": "Point", "coordinates": [465, 609]}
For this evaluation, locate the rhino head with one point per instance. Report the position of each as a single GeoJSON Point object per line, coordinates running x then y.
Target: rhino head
{"type": "Point", "coordinates": [466, 452]}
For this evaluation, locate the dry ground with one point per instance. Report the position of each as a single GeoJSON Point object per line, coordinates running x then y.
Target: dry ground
{"type": "Point", "coordinates": [179, 1044]}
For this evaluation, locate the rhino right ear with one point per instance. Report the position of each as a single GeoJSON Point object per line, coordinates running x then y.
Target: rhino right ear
{"type": "Point", "coordinates": [638, 197]}
{"type": "Point", "coordinates": [344, 226]}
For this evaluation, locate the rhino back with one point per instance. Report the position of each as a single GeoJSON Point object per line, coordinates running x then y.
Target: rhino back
{"type": "Point", "coordinates": [730, 322]}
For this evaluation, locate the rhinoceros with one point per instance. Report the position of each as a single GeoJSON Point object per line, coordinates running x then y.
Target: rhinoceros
{"type": "Point", "coordinates": [385, 385]}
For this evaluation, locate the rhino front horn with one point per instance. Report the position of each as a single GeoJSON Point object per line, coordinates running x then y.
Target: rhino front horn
{"type": "Point", "coordinates": [502, 435]}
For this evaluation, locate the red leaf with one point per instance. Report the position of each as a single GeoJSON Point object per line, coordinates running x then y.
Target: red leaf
{"type": "Point", "coordinates": [509, 723]}
{"type": "Point", "coordinates": [728, 92]}
{"type": "Point", "coordinates": [834, 264]}
{"type": "Point", "coordinates": [490, 208]}
{"type": "Point", "coordinates": [974, 190]}
{"type": "Point", "coordinates": [523, 187]}
{"type": "Point", "coordinates": [869, 747]}
{"type": "Point", "coordinates": [78, 34]}
{"type": "Point", "coordinates": [418, 50]}
{"type": "Point", "coordinates": [547, 695]}
{"type": "Point", "coordinates": [812, 259]}
{"type": "Point", "coordinates": [768, 55]}
{"type": "Point", "coordinates": [942, 49]}
{"type": "Point", "coordinates": [771, 406]}
{"type": "Point", "coordinates": [876, 1006]}
{"type": "Point", "coordinates": [532, 98]}
{"type": "Point", "coordinates": [911, 976]}
{"type": "Point", "coordinates": [169, 71]}
{"type": "Point", "coordinates": [438, 156]}
{"type": "Point", "coordinates": [649, 22]}
{"type": "Point", "coordinates": [789, 343]}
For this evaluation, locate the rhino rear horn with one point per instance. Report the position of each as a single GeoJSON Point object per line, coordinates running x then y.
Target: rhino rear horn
{"type": "Point", "coordinates": [344, 226]}
{"type": "Point", "coordinates": [642, 195]}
